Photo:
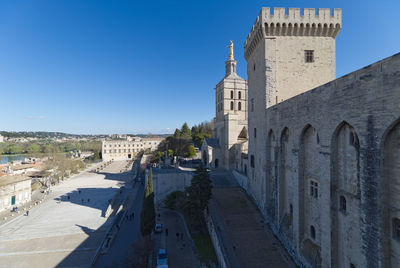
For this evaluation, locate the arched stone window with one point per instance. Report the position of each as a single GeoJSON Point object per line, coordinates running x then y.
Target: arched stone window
{"type": "Point", "coordinates": [343, 206]}
{"type": "Point", "coordinates": [239, 106]}
{"type": "Point", "coordinates": [312, 232]}
{"type": "Point", "coordinates": [345, 194]}
{"type": "Point", "coordinates": [231, 94]}
{"type": "Point", "coordinates": [240, 95]}
{"type": "Point", "coordinates": [390, 197]}
{"type": "Point", "coordinates": [231, 105]}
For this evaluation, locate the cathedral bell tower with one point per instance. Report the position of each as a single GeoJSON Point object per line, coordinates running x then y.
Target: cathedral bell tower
{"type": "Point", "coordinates": [230, 64]}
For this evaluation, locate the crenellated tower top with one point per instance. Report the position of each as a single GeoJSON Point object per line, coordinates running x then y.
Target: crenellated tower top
{"type": "Point", "coordinates": [293, 22]}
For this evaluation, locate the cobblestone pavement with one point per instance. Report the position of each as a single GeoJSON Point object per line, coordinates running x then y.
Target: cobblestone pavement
{"type": "Point", "coordinates": [180, 249]}
{"type": "Point", "coordinates": [67, 228]}
{"type": "Point", "coordinates": [245, 234]}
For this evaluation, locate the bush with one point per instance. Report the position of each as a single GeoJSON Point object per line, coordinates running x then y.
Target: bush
{"type": "Point", "coordinates": [170, 200]}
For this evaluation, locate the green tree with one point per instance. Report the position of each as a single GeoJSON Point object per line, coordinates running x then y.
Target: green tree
{"type": "Point", "coordinates": [148, 214]}
{"type": "Point", "coordinates": [198, 193]}
{"type": "Point", "coordinates": [33, 149]}
{"type": "Point", "coordinates": [186, 133]}
{"type": "Point", "coordinates": [177, 133]}
{"type": "Point", "coordinates": [191, 151]}
{"type": "Point", "coordinates": [14, 149]}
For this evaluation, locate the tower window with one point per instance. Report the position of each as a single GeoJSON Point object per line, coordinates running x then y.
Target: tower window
{"type": "Point", "coordinates": [309, 55]}
{"type": "Point", "coordinates": [342, 203]}
{"type": "Point", "coordinates": [252, 105]}
{"type": "Point", "coordinates": [291, 213]}
{"type": "Point", "coordinates": [314, 189]}
{"type": "Point", "coordinates": [254, 67]}
{"type": "Point", "coordinates": [231, 105]}
{"type": "Point", "coordinates": [396, 228]}
{"type": "Point", "coordinates": [231, 94]}
{"type": "Point", "coordinates": [239, 106]}
{"type": "Point", "coordinates": [240, 95]}
{"type": "Point", "coordinates": [312, 232]}
{"type": "Point", "coordinates": [255, 132]}
{"type": "Point", "coordinates": [252, 161]}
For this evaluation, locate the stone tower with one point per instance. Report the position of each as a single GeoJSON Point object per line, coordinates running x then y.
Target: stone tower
{"type": "Point", "coordinates": [231, 109]}
{"type": "Point", "coordinates": [287, 53]}
{"type": "Point", "coordinates": [290, 53]}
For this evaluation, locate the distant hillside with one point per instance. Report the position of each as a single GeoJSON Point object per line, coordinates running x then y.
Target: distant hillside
{"type": "Point", "coordinates": [45, 134]}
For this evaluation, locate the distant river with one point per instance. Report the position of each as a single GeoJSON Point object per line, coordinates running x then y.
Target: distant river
{"type": "Point", "coordinates": [4, 159]}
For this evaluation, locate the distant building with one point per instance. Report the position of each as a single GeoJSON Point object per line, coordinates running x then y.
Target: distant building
{"type": "Point", "coordinates": [15, 190]}
{"type": "Point", "coordinates": [1, 138]}
{"type": "Point", "coordinates": [128, 149]}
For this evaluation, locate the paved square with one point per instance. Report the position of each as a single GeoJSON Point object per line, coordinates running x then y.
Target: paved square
{"type": "Point", "coordinates": [61, 231]}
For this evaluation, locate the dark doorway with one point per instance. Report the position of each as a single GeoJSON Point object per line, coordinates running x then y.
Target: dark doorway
{"type": "Point", "coordinates": [13, 200]}
{"type": "Point", "coordinates": [216, 162]}
{"type": "Point", "coordinates": [129, 156]}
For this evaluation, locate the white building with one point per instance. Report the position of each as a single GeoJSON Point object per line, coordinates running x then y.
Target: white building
{"type": "Point", "coordinates": [129, 148]}
{"type": "Point", "coordinates": [15, 190]}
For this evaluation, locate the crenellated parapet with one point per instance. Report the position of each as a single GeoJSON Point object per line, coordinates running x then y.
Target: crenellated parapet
{"type": "Point", "coordinates": [293, 22]}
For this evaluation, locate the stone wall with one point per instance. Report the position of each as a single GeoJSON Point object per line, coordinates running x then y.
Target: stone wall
{"type": "Point", "coordinates": [169, 180]}
{"type": "Point", "coordinates": [326, 164]}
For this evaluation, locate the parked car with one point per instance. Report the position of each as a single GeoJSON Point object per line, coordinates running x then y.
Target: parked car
{"type": "Point", "coordinates": [158, 228]}
{"type": "Point", "coordinates": [162, 258]}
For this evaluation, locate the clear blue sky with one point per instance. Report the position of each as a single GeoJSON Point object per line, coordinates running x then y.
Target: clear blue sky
{"type": "Point", "coordinates": [146, 66]}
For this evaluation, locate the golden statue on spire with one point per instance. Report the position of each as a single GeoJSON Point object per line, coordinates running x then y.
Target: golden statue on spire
{"type": "Point", "coordinates": [230, 50]}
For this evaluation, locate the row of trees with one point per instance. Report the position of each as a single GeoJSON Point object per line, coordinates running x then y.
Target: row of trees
{"type": "Point", "coordinates": [181, 143]}
{"type": "Point", "coordinates": [46, 147]}
{"type": "Point", "coordinates": [202, 131]}
{"type": "Point", "coordinates": [148, 214]}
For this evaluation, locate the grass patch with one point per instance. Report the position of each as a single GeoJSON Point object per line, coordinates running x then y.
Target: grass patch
{"type": "Point", "coordinates": [202, 240]}
{"type": "Point", "coordinates": [205, 248]}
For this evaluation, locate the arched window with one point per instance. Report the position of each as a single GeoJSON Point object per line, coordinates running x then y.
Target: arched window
{"type": "Point", "coordinates": [240, 95]}
{"type": "Point", "coordinates": [312, 232]}
{"type": "Point", "coordinates": [231, 105]}
{"type": "Point", "coordinates": [239, 106]}
{"type": "Point", "coordinates": [231, 94]}
{"type": "Point", "coordinates": [343, 205]}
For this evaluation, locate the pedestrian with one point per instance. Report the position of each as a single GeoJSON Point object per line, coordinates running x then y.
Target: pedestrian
{"type": "Point", "coordinates": [166, 232]}
{"type": "Point", "coordinates": [181, 236]}
{"type": "Point", "coordinates": [27, 213]}
{"type": "Point", "coordinates": [88, 200]}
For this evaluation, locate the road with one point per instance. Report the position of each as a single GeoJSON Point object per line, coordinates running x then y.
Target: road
{"type": "Point", "coordinates": [129, 232]}
{"type": "Point", "coordinates": [64, 231]}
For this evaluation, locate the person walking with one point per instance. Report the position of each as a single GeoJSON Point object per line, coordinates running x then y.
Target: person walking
{"type": "Point", "coordinates": [27, 213]}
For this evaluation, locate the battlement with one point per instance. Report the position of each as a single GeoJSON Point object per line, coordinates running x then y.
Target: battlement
{"type": "Point", "coordinates": [294, 22]}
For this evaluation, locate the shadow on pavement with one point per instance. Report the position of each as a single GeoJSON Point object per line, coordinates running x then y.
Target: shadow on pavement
{"type": "Point", "coordinates": [83, 255]}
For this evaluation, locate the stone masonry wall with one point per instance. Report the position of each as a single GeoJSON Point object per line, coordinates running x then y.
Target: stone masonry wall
{"type": "Point", "coordinates": [349, 119]}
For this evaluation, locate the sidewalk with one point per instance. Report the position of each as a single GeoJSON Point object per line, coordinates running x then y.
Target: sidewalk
{"type": "Point", "coordinates": [247, 241]}
{"type": "Point", "coordinates": [245, 235]}
{"type": "Point", "coordinates": [180, 248]}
